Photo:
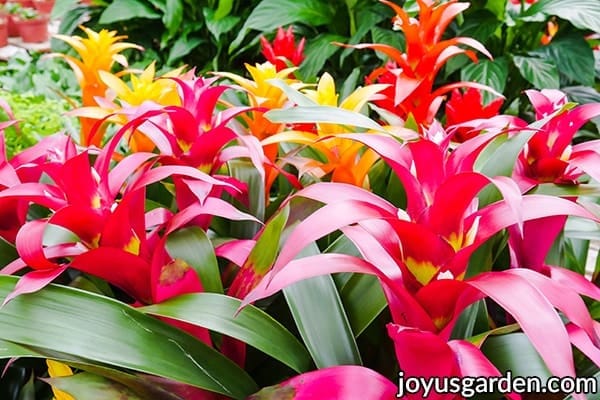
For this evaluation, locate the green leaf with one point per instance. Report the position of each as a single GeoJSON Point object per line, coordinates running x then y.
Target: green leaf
{"type": "Point", "coordinates": [262, 18]}
{"type": "Point", "coordinates": [363, 300]}
{"type": "Point", "coordinates": [123, 10]}
{"type": "Point", "coordinates": [573, 57]}
{"type": "Point", "coordinates": [182, 47]}
{"type": "Point", "coordinates": [389, 37]}
{"type": "Point", "coordinates": [318, 50]}
{"type": "Point", "coordinates": [514, 352]}
{"type": "Point", "coordinates": [552, 189]}
{"type": "Point", "coordinates": [92, 327]}
{"type": "Point", "coordinates": [244, 171]}
{"type": "Point", "coordinates": [542, 74]}
{"type": "Point", "coordinates": [584, 14]}
{"type": "Point", "coordinates": [8, 253]}
{"type": "Point", "coordinates": [471, 320]}
{"type": "Point", "coordinates": [265, 250]}
{"type": "Point", "coordinates": [251, 325]}
{"type": "Point", "coordinates": [223, 9]}
{"type": "Point", "coordinates": [219, 26]}
{"type": "Point", "coordinates": [193, 246]}
{"type": "Point", "coordinates": [480, 25]}
{"type": "Point", "coordinates": [88, 386]}
{"type": "Point", "coordinates": [62, 8]}
{"type": "Point", "coordinates": [321, 319]}
{"type": "Point", "coordinates": [323, 114]}
{"type": "Point", "coordinates": [488, 72]}
{"type": "Point", "coordinates": [173, 17]}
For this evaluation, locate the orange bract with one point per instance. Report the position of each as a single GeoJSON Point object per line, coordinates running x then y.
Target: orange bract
{"type": "Point", "coordinates": [98, 52]}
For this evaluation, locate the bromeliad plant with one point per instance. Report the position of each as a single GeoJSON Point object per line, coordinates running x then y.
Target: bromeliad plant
{"type": "Point", "coordinates": [453, 247]}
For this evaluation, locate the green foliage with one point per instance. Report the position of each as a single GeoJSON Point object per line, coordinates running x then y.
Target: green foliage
{"type": "Point", "coordinates": [38, 116]}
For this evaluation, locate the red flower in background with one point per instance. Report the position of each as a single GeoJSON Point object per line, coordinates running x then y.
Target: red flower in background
{"type": "Point", "coordinates": [467, 106]}
{"type": "Point", "coordinates": [282, 49]}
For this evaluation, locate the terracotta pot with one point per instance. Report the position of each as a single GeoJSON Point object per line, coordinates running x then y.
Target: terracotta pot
{"type": "Point", "coordinates": [24, 3]}
{"type": "Point", "coordinates": [44, 6]}
{"type": "Point", "coordinates": [3, 30]}
{"type": "Point", "coordinates": [13, 30]}
{"type": "Point", "coordinates": [33, 30]}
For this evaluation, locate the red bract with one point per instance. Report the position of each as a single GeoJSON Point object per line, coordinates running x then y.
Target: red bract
{"type": "Point", "coordinates": [467, 106]}
{"type": "Point", "coordinates": [283, 49]}
{"type": "Point", "coordinates": [421, 257]}
{"type": "Point", "coordinates": [413, 71]}
{"type": "Point", "coordinates": [110, 234]}
{"type": "Point", "coordinates": [549, 155]}
{"type": "Point", "coordinates": [344, 382]}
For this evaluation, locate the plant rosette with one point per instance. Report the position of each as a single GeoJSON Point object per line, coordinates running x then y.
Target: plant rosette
{"type": "Point", "coordinates": [44, 6]}
{"type": "Point", "coordinates": [33, 26]}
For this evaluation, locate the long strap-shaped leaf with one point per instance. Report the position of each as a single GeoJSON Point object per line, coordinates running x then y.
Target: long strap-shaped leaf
{"type": "Point", "coordinates": [251, 325]}
{"type": "Point", "coordinates": [98, 328]}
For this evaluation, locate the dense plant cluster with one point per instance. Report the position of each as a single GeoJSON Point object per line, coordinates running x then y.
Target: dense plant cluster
{"type": "Point", "coordinates": [268, 232]}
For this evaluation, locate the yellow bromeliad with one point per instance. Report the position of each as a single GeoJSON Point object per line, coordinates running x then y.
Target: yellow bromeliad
{"type": "Point", "coordinates": [98, 52]}
{"type": "Point", "coordinates": [348, 161]}
{"type": "Point", "coordinates": [143, 87]}
{"type": "Point", "coordinates": [261, 93]}
{"type": "Point", "coordinates": [56, 370]}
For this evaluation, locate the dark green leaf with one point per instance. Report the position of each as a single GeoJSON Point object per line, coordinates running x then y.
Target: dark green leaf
{"type": "Point", "coordinates": [363, 300]}
{"type": "Point", "coordinates": [584, 14]}
{"type": "Point", "coordinates": [514, 352]}
{"type": "Point", "coordinates": [492, 73]}
{"type": "Point", "coordinates": [89, 326]}
{"type": "Point", "coordinates": [219, 26]}
{"type": "Point", "coordinates": [182, 47]}
{"type": "Point", "coordinates": [572, 56]}
{"type": "Point", "coordinates": [321, 319]}
{"type": "Point", "coordinates": [542, 74]}
{"type": "Point", "coordinates": [123, 10]}
{"type": "Point", "coordinates": [389, 37]}
{"type": "Point", "coordinates": [317, 52]}
{"type": "Point", "coordinates": [270, 14]}
{"type": "Point", "coordinates": [173, 16]}
{"type": "Point", "coordinates": [582, 94]}
{"type": "Point", "coordinates": [250, 325]}
{"type": "Point", "coordinates": [244, 171]}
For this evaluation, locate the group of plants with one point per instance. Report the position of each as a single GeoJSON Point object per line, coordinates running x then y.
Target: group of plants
{"type": "Point", "coordinates": [424, 205]}
{"type": "Point", "coordinates": [26, 19]}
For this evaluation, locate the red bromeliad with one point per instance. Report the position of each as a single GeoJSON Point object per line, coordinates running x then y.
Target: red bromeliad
{"type": "Point", "coordinates": [467, 106]}
{"type": "Point", "coordinates": [283, 49]}
{"type": "Point", "coordinates": [421, 257]}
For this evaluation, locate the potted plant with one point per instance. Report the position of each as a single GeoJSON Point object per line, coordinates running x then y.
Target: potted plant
{"type": "Point", "coordinates": [12, 9]}
{"type": "Point", "coordinates": [3, 27]}
{"type": "Point", "coordinates": [44, 6]}
{"type": "Point", "coordinates": [25, 3]}
{"type": "Point", "coordinates": [33, 26]}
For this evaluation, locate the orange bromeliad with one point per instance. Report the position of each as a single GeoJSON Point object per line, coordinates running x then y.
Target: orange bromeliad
{"type": "Point", "coordinates": [412, 72]}
{"type": "Point", "coordinates": [98, 52]}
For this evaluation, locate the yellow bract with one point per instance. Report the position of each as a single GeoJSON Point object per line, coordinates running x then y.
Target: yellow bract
{"type": "Point", "coordinates": [144, 87]}
{"type": "Point", "coordinates": [55, 370]}
{"type": "Point", "coordinates": [423, 271]}
{"type": "Point", "coordinates": [263, 94]}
